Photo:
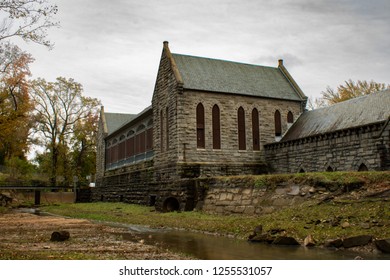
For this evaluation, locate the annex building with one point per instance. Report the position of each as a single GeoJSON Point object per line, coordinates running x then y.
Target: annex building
{"type": "Point", "coordinates": [212, 117]}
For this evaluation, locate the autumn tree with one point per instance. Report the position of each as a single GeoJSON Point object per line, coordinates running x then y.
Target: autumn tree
{"type": "Point", "coordinates": [349, 90]}
{"type": "Point", "coordinates": [15, 103]}
{"type": "Point", "coordinates": [27, 19]}
{"type": "Point", "coordinates": [84, 146]}
{"type": "Point", "coordinates": [59, 108]}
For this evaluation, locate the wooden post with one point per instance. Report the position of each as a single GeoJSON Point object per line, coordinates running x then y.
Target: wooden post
{"type": "Point", "coordinates": [37, 200]}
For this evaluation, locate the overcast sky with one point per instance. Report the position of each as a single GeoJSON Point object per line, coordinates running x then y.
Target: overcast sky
{"type": "Point", "coordinates": [113, 48]}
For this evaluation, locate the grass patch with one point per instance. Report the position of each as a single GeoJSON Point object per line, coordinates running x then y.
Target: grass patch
{"type": "Point", "coordinates": [322, 221]}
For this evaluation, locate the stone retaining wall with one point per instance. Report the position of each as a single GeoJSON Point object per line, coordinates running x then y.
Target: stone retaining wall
{"type": "Point", "coordinates": [242, 196]}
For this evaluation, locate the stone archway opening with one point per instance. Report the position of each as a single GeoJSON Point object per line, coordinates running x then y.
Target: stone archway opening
{"type": "Point", "coordinates": [171, 204]}
{"type": "Point", "coordinates": [363, 167]}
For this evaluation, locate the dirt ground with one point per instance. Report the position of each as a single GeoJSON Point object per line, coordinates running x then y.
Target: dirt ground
{"type": "Point", "coordinates": [27, 236]}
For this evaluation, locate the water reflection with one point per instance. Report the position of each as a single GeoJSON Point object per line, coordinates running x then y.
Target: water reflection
{"type": "Point", "coordinates": [208, 247]}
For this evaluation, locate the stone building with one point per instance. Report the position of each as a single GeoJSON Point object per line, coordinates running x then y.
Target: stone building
{"type": "Point", "coordinates": [208, 118]}
{"type": "Point", "coordinates": [351, 135]}
{"type": "Point", "coordinates": [212, 117]}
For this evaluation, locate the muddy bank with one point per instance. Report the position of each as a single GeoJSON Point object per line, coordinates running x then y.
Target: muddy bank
{"type": "Point", "coordinates": [27, 236]}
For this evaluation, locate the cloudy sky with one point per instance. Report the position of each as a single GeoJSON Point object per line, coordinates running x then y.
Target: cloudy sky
{"type": "Point", "coordinates": [113, 47]}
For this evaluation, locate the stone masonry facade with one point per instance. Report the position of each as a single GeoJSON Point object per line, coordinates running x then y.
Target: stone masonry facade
{"type": "Point", "coordinates": [351, 149]}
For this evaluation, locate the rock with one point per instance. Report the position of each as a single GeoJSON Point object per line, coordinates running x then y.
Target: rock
{"type": "Point", "coordinates": [336, 243]}
{"type": "Point", "coordinates": [345, 225]}
{"type": "Point", "coordinates": [309, 241]}
{"type": "Point", "coordinates": [257, 231]}
{"type": "Point", "coordinates": [383, 245]}
{"type": "Point", "coordinates": [355, 241]}
{"type": "Point", "coordinates": [60, 235]}
{"type": "Point", "coordinates": [262, 238]}
{"type": "Point", "coordinates": [294, 190]}
{"type": "Point", "coordinates": [285, 240]}
{"type": "Point", "coordinates": [276, 231]}
{"type": "Point", "coordinates": [365, 225]}
{"type": "Point", "coordinates": [358, 258]}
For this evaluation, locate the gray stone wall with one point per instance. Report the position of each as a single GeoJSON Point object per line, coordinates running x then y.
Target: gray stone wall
{"type": "Point", "coordinates": [340, 151]}
{"type": "Point", "coordinates": [164, 105]}
{"type": "Point", "coordinates": [228, 105]}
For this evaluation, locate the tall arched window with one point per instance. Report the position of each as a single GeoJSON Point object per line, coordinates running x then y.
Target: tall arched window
{"type": "Point", "coordinates": [255, 130]}
{"type": "Point", "coordinates": [290, 117]}
{"type": "Point", "coordinates": [241, 129]}
{"type": "Point", "coordinates": [200, 127]}
{"type": "Point", "coordinates": [216, 128]}
{"type": "Point", "coordinates": [278, 124]}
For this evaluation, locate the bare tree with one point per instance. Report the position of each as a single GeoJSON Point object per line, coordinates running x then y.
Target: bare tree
{"type": "Point", "coordinates": [27, 19]}
{"type": "Point", "coordinates": [59, 107]}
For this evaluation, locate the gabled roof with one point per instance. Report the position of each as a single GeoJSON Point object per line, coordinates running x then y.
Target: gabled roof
{"type": "Point", "coordinates": [356, 112]}
{"type": "Point", "coordinates": [116, 120]}
{"type": "Point", "coordinates": [199, 73]}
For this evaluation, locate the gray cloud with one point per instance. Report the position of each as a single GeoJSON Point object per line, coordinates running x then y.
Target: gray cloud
{"type": "Point", "coordinates": [113, 47]}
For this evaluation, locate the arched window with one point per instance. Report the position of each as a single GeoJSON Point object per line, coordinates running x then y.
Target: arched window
{"type": "Point", "coordinates": [130, 133]}
{"type": "Point", "coordinates": [140, 127]}
{"type": "Point", "coordinates": [255, 130]}
{"type": "Point", "coordinates": [241, 129]}
{"type": "Point", "coordinates": [216, 128]}
{"type": "Point", "coordinates": [290, 117]}
{"type": "Point", "coordinates": [200, 127]}
{"type": "Point", "coordinates": [278, 124]}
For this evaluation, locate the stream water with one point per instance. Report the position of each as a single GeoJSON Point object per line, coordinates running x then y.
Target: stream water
{"type": "Point", "coordinates": [210, 247]}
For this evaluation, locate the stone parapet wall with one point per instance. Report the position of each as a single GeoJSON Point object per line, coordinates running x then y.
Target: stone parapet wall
{"type": "Point", "coordinates": [338, 151]}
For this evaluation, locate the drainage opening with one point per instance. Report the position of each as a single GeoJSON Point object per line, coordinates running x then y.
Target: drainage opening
{"type": "Point", "coordinates": [152, 200]}
{"type": "Point", "coordinates": [171, 204]}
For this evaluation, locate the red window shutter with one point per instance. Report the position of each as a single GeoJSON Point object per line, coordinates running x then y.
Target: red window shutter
{"type": "Point", "coordinates": [241, 129]}
{"type": "Point", "coordinates": [216, 128]}
{"type": "Point", "coordinates": [255, 130]}
{"type": "Point", "coordinates": [278, 124]}
{"type": "Point", "coordinates": [200, 127]}
{"type": "Point", "coordinates": [290, 117]}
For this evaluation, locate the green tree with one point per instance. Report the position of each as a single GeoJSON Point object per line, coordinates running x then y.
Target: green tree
{"type": "Point", "coordinates": [59, 108]}
{"type": "Point", "coordinates": [348, 90]}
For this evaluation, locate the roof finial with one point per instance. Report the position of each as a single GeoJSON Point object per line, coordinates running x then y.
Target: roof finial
{"type": "Point", "coordinates": [280, 62]}
{"type": "Point", "coordinates": [165, 43]}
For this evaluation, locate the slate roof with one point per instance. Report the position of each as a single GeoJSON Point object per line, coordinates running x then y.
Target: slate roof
{"type": "Point", "coordinates": [206, 74]}
{"type": "Point", "coordinates": [360, 111]}
{"type": "Point", "coordinates": [116, 120]}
